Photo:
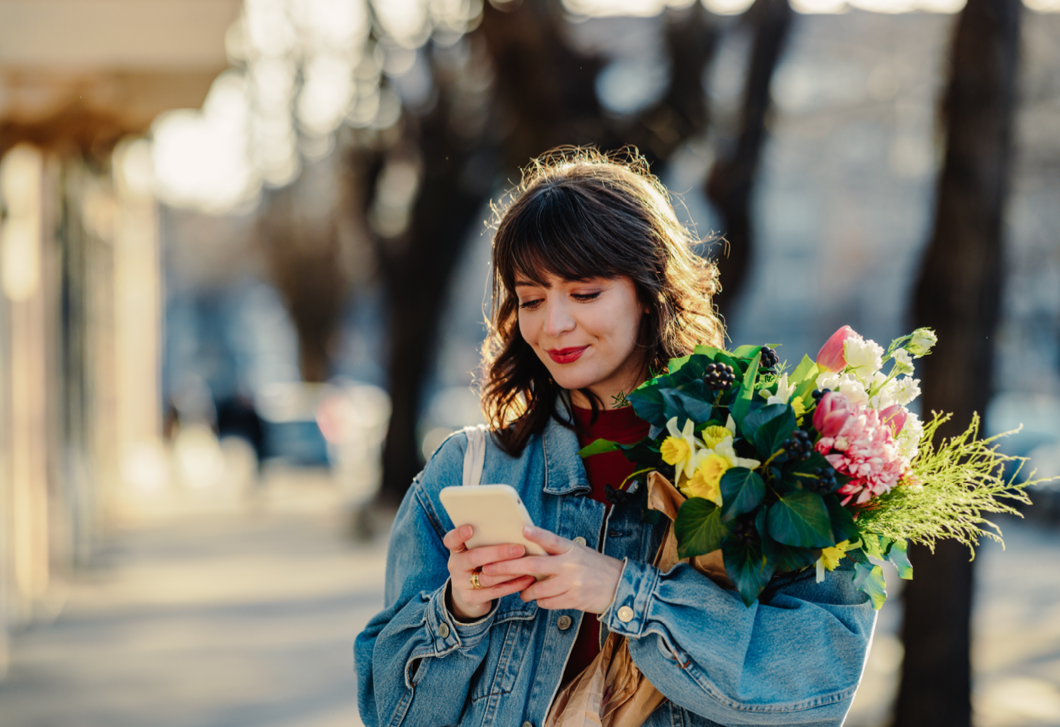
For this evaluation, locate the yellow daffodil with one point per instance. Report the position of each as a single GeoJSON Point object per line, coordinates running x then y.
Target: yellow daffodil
{"type": "Point", "coordinates": [713, 435]}
{"type": "Point", "coordinates": [799, 406]}
{"type": "Point", "coordinates": [708, 466]}
{"type": "Point", "coordinates": [832, 556]}
{"type": "Point", "coordinates": [680, 447]}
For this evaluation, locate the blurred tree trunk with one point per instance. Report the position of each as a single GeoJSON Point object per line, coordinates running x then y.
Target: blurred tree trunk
{"type": "Point", "coordinates": [309, 261]}
{"type": "Point", "coordinates": [451, 145]}
{"type": "Point", "coordinates": [959, 295]}
{"type": "Point", "coordinates": [730, 182]}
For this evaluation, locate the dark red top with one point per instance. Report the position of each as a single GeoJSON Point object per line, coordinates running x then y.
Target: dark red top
{"type": "Point", "coordinates": [618, 425]}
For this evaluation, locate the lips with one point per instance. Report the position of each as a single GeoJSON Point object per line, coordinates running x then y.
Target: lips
{"type": "Point", "coordinates": [566, 355]}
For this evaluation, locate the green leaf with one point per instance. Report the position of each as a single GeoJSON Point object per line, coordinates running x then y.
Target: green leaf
{"type": "Point", "coordinates": [600, 446]}
{"type": "Point", "coordinates": [869, 580]}
{"type": "Point", "coordinates": [644, 453]}
{"type": "Point", "coordinates": [801, 519]}
{"type": "Point", "coordinates": [708, 351]}
{"type": "Point", "coordinates": [649, 405]}
{"type": "Point", "coordinates": [759, 417]}
{"type": "Point", "coordinates": [858, 556]}
{"type": "Point", "coordinates": [871, 545]}
{"type": "Point", "coordinates": [742, 406]}
{"type": "Point", "coordinates": [805, 370]}
{"type": "Point", "coordinates": [677, 363]}
{"type": "Point", "coordinates": [747, 352]}
{"type": "Point", "coordinates": [698, 527]}
{"type": "Point", "coordinates": [899, 556]}
{"type": "Point", "coordinates": [771, 435]}
{"type": "Point", "coordinates": [808, 383]}
{"type": "Point", "coordinates": [742, 491]}
{"type": "Point", "coordinates": [788, 559]}
{"type": "Point", "coordinates": [843, 525]}
{"type": "Point", "coordinates": [748, 568]}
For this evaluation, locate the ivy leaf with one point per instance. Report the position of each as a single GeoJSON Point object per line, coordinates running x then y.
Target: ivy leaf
{"type": "Point", "coordinates": [677, 363]}
{"type": "Point", "coordinates": [899, 556]}
{"type": "Point", "coordinates": [801, 519]}
{"type": "Point", "coordinates": [770, 436]}
{"type": "Point", "coordinates": [708, 351]}
{"type": "Point", "coordinates": [644, 453]}
{"type": "Point", "coordinates": [858, 556]}
{"type": "Point", "coordinates": [748, 568]}
{"type": "Point", "coordinates": [788, 559]}
{"type": "Point", "coordinates": [742, 491]}
{"type": "Point", "coordinates": [869, 580]}
{"type": "Point", "coordinates": [843, 525]}
{"type": "Point", "coordinates": [649, 405]}
{"type": "Point", "coordinates": [600, 446]}
{"type": "Point", "coordinates": [698, 527]}
{"type": "Point", "coordinates": [758, 418]}
{"type": "Point", "coordinates": [695, 399]}
{"type": "Point", "coordinates": [742, 406]}
{"type": "Point", "coordinates": [804, 377]}
{"type": "Point", "coordinates": [746, 351]}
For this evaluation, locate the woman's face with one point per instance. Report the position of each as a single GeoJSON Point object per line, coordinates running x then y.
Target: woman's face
{"type": "Point", "coordinates": [585, 332]}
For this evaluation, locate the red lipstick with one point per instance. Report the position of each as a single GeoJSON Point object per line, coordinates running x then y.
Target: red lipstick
{"type": "Point", "coordinates": [566, 355]}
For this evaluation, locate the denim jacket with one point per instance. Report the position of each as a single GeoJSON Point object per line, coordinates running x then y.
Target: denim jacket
{"type": "Point", "coordinates": [795, 659]}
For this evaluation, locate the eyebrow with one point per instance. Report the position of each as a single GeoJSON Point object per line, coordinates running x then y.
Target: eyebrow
{"type": "Point", "coordinates": [529, 284]}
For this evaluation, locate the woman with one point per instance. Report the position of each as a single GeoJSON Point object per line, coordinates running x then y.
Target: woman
{"type": "Point", "coordinates": [594, 288]}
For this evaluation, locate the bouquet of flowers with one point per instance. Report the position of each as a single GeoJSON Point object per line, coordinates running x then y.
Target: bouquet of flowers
{"type": "Point", "coordinates": [781, 471]}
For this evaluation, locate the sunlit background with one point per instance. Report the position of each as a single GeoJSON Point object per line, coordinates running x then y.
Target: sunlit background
{"type": "Point", "coordinates": [240, 242]}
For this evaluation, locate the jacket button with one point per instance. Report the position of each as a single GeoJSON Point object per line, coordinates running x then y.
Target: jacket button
{"type": "Point", "coordinates": [625, 614]}
{"type": "Point", "coordinates": [564, 623]}
{"type": "Point", "coordinates": [579, 540]}
{"type": "Point", "coordinates": [527, 724]}
{"type": "Point", "coordinates": [443, 630]}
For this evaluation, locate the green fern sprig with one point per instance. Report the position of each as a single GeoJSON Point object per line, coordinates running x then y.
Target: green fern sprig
{"type": "Point", "coordinates": [960, 482]}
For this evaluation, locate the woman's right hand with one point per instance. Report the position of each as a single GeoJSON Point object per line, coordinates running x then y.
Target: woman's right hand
{"type": "Point", "coordinates": [467, 602]}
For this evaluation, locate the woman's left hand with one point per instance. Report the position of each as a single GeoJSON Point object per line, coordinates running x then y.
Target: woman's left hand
{"type": "Point", "coordinates": [574, 576]}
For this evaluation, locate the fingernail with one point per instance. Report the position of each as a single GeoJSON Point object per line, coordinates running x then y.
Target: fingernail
{"type": "Point", "coordinates": [516, 550]}
{"type": "Point", "coordinates": [528, 530]}
{"type": "Point", "coordinates": [466, 531]}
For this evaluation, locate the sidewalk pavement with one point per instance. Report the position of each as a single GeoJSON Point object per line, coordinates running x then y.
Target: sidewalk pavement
{"type": "Point", "coordinates": [240, 612]}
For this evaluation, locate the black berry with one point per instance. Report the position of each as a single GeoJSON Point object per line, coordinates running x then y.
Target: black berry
{"type": "Point", "coordinates": [769, 359]}
{"type": "Point", "coordinates": [718, 376]}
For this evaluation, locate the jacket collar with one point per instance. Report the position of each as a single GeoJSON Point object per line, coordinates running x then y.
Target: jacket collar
{"type": "Point", "coordinates": [564, 471]}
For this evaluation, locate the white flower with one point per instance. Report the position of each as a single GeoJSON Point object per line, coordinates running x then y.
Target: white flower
{"type": "Point", "coordinates": [864, 357]}
{"type": "Point", "coordinates": [784, 392]}
{"type": "Point", "coordinates": [847, 384]}
{"type": "Point", "coordinates": [921, 342]}
{"type": "Point", "coordinates": [903, 362]}
{"type": "Point", "coordinates": [908, 440]}
{"type": "Point", "coordinates": [906, 389]}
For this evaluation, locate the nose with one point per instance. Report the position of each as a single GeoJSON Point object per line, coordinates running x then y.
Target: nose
{"type": "Point", "coordinates": [558, 319]}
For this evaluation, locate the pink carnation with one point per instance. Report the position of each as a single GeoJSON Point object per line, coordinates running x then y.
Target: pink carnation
{"type": "Point", "coordinates": [861, 447]}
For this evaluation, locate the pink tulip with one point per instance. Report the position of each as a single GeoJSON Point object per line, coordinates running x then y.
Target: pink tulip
{"type": "Point", "coordinates": [831, 413]}
{"type": "Point", "coordinates": [831, 356]}
{"type": "Point", "coordinates": [894, 415]}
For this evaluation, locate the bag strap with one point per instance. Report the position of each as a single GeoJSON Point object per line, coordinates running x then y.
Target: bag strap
{"type": "Point", "coordinates": [475, 455]}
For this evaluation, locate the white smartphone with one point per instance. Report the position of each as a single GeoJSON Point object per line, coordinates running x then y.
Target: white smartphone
{"type": "Point", "coordinates": [495, 512]}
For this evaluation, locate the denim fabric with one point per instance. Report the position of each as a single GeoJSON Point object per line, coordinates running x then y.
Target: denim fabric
{"type": "Point", "coordinates": [794, 660]}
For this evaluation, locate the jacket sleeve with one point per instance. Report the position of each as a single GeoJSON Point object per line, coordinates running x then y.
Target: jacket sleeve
{"type": "Point", "coordinates": [795, 660]}
{"type": "Point", "coordinates": [415, 638]}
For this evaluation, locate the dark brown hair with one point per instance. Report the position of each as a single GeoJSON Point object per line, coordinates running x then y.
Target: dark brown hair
{"type": "Point", "coordinates": [579, 214]}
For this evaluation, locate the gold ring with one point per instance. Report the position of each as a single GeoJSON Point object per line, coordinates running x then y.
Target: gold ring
{"type": "Point", "coordinates": [474, 581]}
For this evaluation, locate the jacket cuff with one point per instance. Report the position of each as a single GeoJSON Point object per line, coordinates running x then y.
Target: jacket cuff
{"type": "Point", "coordinates": [447, 633]}
{"type": "Point", "coordinates": [628, 613]}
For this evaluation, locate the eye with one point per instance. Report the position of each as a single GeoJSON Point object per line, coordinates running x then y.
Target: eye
{"type": "Point", "coordinates": [529, 304]}
{"type": "Point", "coordinates": [585, 297]}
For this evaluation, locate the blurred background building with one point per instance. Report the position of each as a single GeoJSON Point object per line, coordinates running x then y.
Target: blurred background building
{"type": "Point", "coordinates": [243, 260]}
